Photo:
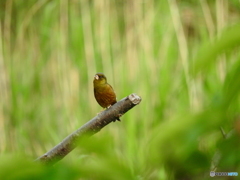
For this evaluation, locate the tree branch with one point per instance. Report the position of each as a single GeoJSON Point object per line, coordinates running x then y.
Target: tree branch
{"type": "Point", "coordinates": [90, 128]}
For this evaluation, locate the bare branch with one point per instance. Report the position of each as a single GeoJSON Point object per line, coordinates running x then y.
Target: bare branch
{"type": "Point", "coordinates": [90, 128]}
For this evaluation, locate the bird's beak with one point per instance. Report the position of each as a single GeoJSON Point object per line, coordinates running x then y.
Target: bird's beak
{"type": "Point", "coordinates": [96, 77]}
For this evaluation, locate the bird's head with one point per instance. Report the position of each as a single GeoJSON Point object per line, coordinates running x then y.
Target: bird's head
{"type": "Point", "coordinates": [99, 79]}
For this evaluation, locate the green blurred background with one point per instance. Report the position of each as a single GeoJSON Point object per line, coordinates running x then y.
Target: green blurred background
{"type": "Point", "coordinates": [181, 56]}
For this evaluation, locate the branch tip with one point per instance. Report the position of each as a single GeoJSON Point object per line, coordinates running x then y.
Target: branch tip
{"type": "Point", "coordinates": [134, 98]}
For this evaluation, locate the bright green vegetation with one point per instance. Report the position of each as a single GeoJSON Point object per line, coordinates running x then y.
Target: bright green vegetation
{"type": "Point", "coordinates": [182, 57]}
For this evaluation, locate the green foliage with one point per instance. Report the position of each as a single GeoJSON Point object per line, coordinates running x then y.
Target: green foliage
{"type": "Point", "coordinates": [207, 55]}
{"type": "Point", "coordinates": [18, 167]}
{"type": "Point", "coordinates": [181, 57]}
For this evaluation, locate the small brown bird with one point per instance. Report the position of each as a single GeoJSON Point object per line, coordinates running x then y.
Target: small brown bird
{"type": "Point", "coordinates": [103, 92]}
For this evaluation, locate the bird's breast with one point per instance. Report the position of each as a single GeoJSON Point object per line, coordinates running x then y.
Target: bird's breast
{"type": "Point", "coordinates": [105, 95]}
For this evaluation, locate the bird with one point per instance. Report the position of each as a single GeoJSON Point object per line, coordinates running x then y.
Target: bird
{"type": "Point", "coordinates": [103, 92]}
